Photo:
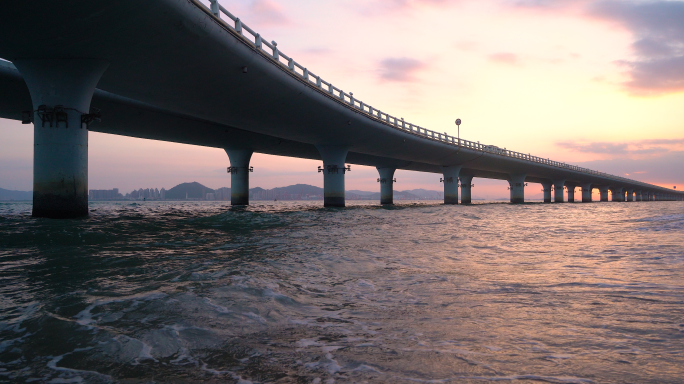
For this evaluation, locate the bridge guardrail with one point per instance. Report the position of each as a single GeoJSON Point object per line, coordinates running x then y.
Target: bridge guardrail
{"type": "Point", "coordinates": [312, 79]}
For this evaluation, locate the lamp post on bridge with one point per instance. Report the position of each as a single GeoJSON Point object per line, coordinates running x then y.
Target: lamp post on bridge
{"type": "Point", "coordinates": [458, 124]}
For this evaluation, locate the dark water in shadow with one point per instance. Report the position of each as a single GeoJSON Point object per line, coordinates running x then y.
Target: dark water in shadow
{"type": "Point", "coordinates": [289, 292]}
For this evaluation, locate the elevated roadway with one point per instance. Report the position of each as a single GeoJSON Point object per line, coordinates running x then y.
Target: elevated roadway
{"type": "Point", "coordinates": [178, 71]}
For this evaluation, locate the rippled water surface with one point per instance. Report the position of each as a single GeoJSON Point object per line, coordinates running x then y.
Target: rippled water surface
{"type": "Point", "coordinates": [293, 293]}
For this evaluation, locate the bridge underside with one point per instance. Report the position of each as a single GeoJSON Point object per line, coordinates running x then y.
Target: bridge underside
{"type": "Point", "coordinates": [174, 72]}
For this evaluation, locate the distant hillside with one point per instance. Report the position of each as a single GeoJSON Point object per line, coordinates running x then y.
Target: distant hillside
{"type": "Point", "coordinates": [426, 194]}
{"type": "Point", "coordinates": [6, 194]}
{"type": "Point", "coordinates": [192, 190]}
{"type": "Point", "coordinates": [299, 189]}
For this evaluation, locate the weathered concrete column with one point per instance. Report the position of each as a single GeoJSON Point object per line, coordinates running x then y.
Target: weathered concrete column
{"type": "Point", "coordinates": [558, 191]}
{"type": "Point", "coordinates": [639, 196]}
{"type": "Point", "coordinates": [546, 188]}
{"type": "Point", "coordinates": [466, 189]}
{"type": "Point", "coordinates": [617, 193]}
{"type": "Point", "coordinates": [571, 193]}
{"type": "Point", "coordinates": [61, 91]}
{"type": "Point", "coordinates": [630, 195]}
{"type": "Point", "coordinates": [604, 193]}
{"type": "Point", "coordinates": [239, 175]}
{"type": "Point", "coordinates": [586, 193]}
{"type": "Point", "coordinates": [334, 157]}
{"type": "Point", "coordinates": [386, 181]}
{"type": "Point", "coordinates": [450, 181]}
{"type": "Point", "coordinates": [517, 183]}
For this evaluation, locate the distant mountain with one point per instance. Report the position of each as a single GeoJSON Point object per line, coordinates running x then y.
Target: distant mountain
{"type": "Point", "coordinates": [6, 194]}
{"type": "Point", "coordinates": [299, 189]}
{"type": "Point", "coordinates": [192, 190]}
{"type": "Point", "coordinates": [426, 194]}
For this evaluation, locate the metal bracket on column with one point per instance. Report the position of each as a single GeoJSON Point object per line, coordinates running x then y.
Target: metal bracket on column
{"type": "Point", "coordinates": [334, 169]}
{"type": "Point", "coordinates": [88, 118]}
{"type": "Point", "coordinates": [26, 117]}
{"type": "Point", "coordinates": [446, 180]}
{"type": "Point", "coordinates": [45, 114]}
{"type": "Point", "coordinates": [234, 170]}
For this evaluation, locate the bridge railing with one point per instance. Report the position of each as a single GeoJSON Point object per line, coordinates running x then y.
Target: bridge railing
{"type": "Point", "coordinates": [303, 73]}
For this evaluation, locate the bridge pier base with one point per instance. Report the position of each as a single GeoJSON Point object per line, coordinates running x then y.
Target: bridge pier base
{"type": "Point", "coordinates": [604, 193]}
{"type": "Point", "coordinates": [517, 183]}
{"type": "Point", "coordinates": [617, 193]}
{"type": "Point", "coordinates": [61, 91]}
{"type": "Point", "coordinates": [571, 193]}
{"type": "Point", "coordinates": [386, 185]}
{"type": "Point", "coordinates": [546, 188]}
{"type": "Point", "coordinates": [639, 196]}
{"type": "Point", "coordinates": [334, 157]}
{"type": "Point", "coordinates": [466, 189]}
{"type": "Point", "coordinates": [450, 180]}
{"type": "Point", "coordinates": [586, 193]}
{"type": "Point", "coordinates": [558, 191]}
{"type": "Point", "coordinates": [239, 175]}
{"type": "Point", "coordinates": [630, 195]}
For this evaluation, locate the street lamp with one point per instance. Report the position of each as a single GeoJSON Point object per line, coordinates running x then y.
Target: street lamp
{"type": "Point", "coordinates": [458, 124]}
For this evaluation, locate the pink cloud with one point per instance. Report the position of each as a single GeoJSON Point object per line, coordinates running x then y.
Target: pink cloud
{"type": "Point", "coordinates": [401, 69]}
{"type": "Point", "coordinates": [267, 12]}
{"type": "Point", "coordinates": [504, 58]}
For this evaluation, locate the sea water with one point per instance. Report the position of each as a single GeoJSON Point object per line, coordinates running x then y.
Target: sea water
{"type": "Point", "coordinates": [290, 292]}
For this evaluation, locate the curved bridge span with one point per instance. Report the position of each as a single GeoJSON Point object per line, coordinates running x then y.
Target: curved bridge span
{"type": "Point", "coordinates": [176, 70]}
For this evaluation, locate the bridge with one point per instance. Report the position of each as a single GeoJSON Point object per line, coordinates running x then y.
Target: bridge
{"type": "Point", "coordinates": [177, 70]}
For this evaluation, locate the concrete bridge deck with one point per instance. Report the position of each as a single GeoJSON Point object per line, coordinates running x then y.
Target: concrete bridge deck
{"type": "Point", "coordinates": [175, 70]}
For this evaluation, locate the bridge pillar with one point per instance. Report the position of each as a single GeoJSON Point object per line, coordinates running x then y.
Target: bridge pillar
{"type": "Point", "coordinates": [386, 181]}
{"type": "Point", "coordinates": [571, 193]}
{"type": "Point", "coordinates": [586, 193]}
{"type": "Point", "coordinates": [604, 193]}
{"type": "Point", "coordinates": [617, 193]}
{"type": "Point", "coordinates": [61, 91]}
{"type": "Point", "coordinates": [239, 175]}
{"type": "Point", "coordinates": [630, 195]}
{"type": "Point", "coordinates": [517, 183]}
{"type": "Point", "coordinates": [450, 181]}
{"type": "Point", "coordinates": [546, 188]}
{"type": "Point", "coordinates": [466, 189]}
{"type": "Point", "coordinates": [334, 157]}
{"type": "Point", "coordinates": [558, 191]}
{"type": "Point", "coordinates": [638, 196]}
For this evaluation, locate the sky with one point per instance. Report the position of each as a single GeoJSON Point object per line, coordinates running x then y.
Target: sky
{"type": "Point", "coordinates": [598, 84]}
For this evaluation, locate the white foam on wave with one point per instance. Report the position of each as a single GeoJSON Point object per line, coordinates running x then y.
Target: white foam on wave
{"type": "Point", "coordinates": [85, 317]}
{"type": "Point", "coordinates": [73, 374]}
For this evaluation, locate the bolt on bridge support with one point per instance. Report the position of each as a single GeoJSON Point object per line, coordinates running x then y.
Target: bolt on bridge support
{"type": "Point", "coordinates": [239, 175]}
{"type": "Point", "coordinates": [450, 181]}
{"type": "Point", "coordinates": [334, 157]}
{"type": "Point", "coordinates": [546, 188]}
{"type": "Point", "coordinates": [517, 188]}
{"type": "Point", "coordinates": [466, 189]}
{"type": "Point", "coordinates": [558, 191]}
{"type": "Point", "coordinates": [586, 193]}
{"type": "Point", "coordinates": [61, 91]}
{"type": "Point", "coordinates": [386, 181]}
